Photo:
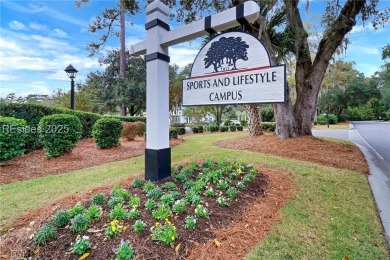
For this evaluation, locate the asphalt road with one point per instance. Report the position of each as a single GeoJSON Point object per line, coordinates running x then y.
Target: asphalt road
{"type": "Point", "coordinates": [373, 138]}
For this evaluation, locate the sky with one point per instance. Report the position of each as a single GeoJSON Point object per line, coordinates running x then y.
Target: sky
{"type": "Point", "coordinates": [39, 39]}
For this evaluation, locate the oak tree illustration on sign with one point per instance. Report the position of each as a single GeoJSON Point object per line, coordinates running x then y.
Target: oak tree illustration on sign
{"type": "Point", "coordinates": [224, 53]}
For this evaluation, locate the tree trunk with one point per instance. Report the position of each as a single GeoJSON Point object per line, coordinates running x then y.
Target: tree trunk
{"type": "Point", "coordinates": [122, 54]}
{"type": "Point", "coordinates": [254, 126]}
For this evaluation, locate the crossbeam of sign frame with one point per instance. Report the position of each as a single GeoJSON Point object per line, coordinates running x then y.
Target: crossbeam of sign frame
{"type": "Point", "coordinates": [234, 68]}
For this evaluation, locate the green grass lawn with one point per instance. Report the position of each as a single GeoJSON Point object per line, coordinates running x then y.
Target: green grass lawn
{"type": "Point", "coordinates": [342, 125]}
{"type": "Point", "coordinates": [332, 215]}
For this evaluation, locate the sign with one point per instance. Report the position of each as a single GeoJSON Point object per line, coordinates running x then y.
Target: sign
{"type": "Point", "coordinates": [234, 68]}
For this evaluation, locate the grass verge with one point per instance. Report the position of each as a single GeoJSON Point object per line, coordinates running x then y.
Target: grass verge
{"type": "Point", "coordinates": [342, 125]}
{"type": "Point", "coordinates": [331, 217]}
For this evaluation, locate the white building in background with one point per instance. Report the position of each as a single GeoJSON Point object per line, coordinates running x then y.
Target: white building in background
{"type": "Point", "coordinates": [177, 117]}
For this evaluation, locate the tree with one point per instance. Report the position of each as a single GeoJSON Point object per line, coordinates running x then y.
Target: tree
{"type": "Point", "coordinates": [195, 113]}
{"type": "Point", "coordinates": [110, 17]}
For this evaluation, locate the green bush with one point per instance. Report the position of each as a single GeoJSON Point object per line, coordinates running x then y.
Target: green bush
{"type": "Point", "coordinates": [232, 128]}
{"type": "Point", "coordinates": [267, 114]}
{"type": "Point", "coordinates": [354, 114]}
{"type": "Point", "coordinates": [181, 130]}
{"type": "Point", "coordinates": [44, 234]}
{"type": "Point", "coordinates": [321, 119]}
{"type": "Point", "coordinates": [223, 128]}
{"type": "Point", "coordinates": [244, 123]}
{"type": "Point", "coordinates": [106, 132]}
{"type": "Point", "coordinates": [195, 129]}
{"type": "Point", "coordinates": [14, 134]}
{"type": "Point", "coordinates": [200, 129]}
{"type": "Point", "coordinates": [172, 133]}
{"type": "Point", "coordinates": [214, 128]}
{"type": "Point", "coordinates": [240, 128]}
{"type": "Point", "coordinates": [59, 133]}
{"type": "Point", "coordinates": [268, 126]}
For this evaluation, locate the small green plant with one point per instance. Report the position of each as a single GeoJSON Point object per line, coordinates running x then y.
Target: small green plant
{"type": "Point", "coordinates": [179, 207]}
{"type": "Point", "coordinates": [231, 192]}
{"type": "Point", "coordinates": [133, 214]}
{"type": "Point", "coordinates": [165, 233]}
{"type": "Point", "coordinates": [180, 177]}
{"type": "Point", "coordinates": [118, 191]}
{"type": "Point", "coordinates": [155, 193]}
{"type": "Point", "coordinates": [201, 211]}
{"type": "Point", "coordinates": [12, 143]}
{"type": "Point", "coordinates": [44, 234]}
{"type": "Point", "coordinates": [80, 223]}
{"type": "Point", "coordinates": [118, 212]}
{"type": "Point", "coordinates": [94, 212]}
{"type": "Point", "coordinates": [114, 228]}
{"type": "Point", "coordinates": [209, 192]}
{"type": "Point", "coordinates": [99, 199]}
{"type": "Point", "coordinates": [167, 199]}
{"type": "Point", "coordinates": [150, 204]}
{"type": "Point", "coordinates": [169, 186]}
{"type": "Point", "coordinates": [240, 185]}
{"type": "Point", "coordinates": [148, 186]}
{"type": "Point", "coordinates": [189, 184]}
{"type": "Point", "coordinates": [82, 245]}
{"type": "Point", "coordinates": [190, 222]}
{"type": "Point", "coordinates": [196, 200]}
{"type": "Point", "coordinates": [139, 226]}
{"type": "Point", "coordinates": [222, 201]}
{"type": "Point", "coordinates": [115, 201]}
{"type": "Point", "coordinates": [247, 178]}
{"type": "Point", "coordinates": [135, 202]}
{"type": "Point", "coordinates": [223, 184]}
{"type": "Point", "coordinates": [175, 194]}
{"type": "Point", "coordinates": [124, 251]}
{"type": "Point", "coordinates": [61, 218]}
{"type": "Point", "coordinates": [76, 210]}
{"type": "Point", "coordinates": [233, 175]}
{"type": "Point", "coordinates": [138, 183]}
{"type": "Point", "coordinates": [106, 132]}
{"type": "Point", "coordinates": [162, 212]}
{"type": "Point", "coordinates": [189, 194]}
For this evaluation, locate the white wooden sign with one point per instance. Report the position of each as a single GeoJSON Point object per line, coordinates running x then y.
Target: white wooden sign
{"type": "Point", "coordinates": [234, 68]}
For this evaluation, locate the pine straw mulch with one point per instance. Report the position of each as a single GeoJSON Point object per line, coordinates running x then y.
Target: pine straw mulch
{"type": "Point", "coordinates": [306, 148]}
{"type": "Point", "coordinates": [86, 154]}
{"type": "Point", "coordinates": [229, 234]}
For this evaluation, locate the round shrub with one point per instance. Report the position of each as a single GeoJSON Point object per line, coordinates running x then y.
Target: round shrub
{"type": "Point", "coordinates": [106, 132]}
{"type": "Point", "coordinates": [240, 128]}
{"type": "Point", "coordinates": [200, 129]}
{"type": "Point", "coordinates": [223, 128]}
{"type": "Point", "coordinates": [233, 128]}
{"type": "Point", "coordinates": [129, 131]}
{"type": "Point", "coordinates": [59, 133]}
{"type": "Point", "coordinates": [61, 218]}
{"type": "Point", "coordinates": [195, 129]}
{"type": "Point", "coordinates": [141, 128]}
{"type": "Point", "coordinates": [172, 133]}
{"type": "Point", "coordinates": [269, 126]}
{"type": "Point", "coordinates": [181, 130]}
{"type": "Point", "coordinates": [214, 128]}
{"type": "Point", "coordinates": [44, 234]}
{"type": "Point", "coordinates": [13, 137]}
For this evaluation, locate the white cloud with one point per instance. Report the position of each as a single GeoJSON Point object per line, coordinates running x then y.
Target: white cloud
{"type": "Point", "coordinates": [37, 26]}
{"type": "Point", "coordinates": [37, 7]}
{"type": "Point", "coordinates": [360, 50]}
{"type": "Point", "coordinates": [58, 33]}
{"type": "Point", "coordinates": [6, 77]}
{"type": "Point", "coordinates": [182, 56]}
{"type": "Point", "coordinates": [17, 26]}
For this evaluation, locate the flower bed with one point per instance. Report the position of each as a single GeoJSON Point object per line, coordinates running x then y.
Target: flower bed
{"type": "Point", "coordinates": [153, 219]}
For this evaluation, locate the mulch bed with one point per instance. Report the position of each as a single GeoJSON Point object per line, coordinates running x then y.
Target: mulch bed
{"type": "Point", "coordinates": [307, 148]}
{"type": "Point", "coordinates": [34, 164]}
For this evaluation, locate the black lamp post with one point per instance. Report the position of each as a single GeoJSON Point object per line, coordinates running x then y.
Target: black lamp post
{"type": "Point", "coordinates": [71, 71]}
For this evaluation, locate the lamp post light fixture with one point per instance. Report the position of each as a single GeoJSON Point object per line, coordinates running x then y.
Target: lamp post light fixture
{"type": "Point", "coordinates": [71, 71]}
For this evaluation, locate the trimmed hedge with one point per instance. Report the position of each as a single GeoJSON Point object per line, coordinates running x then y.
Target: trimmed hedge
{"type": "Point", "coordinates": [106, 132]}
{"type": "Point", "coordinates": [321, 119]}
{"type": "Point", "coordinates": [181, 130]}
{"type": "Point", "coordinates": [13, 137]}
{"type": "Point", "coordinates": [59, 133]}
{"type": "Point", "coordinates": [131, 130]}
{"type": "Point", "coordinates": [240, 128]}
{"type": "Point", "coordinates": [213, 128]}
{"type": "Point", "coordinates": [269, 126]}
{"type": "Point", "coordinates": [223, 128]}
{"type": "Point", "coordinates": [233, 128]}
{"type": "Point", "coordinates": [197, 129]}
{"type": "Point", "coordinates": [33, 113]}
{"type": "Point", "coordinates": [172, 133]}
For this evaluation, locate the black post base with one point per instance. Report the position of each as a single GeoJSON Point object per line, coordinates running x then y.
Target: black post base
{"type": "Point", "coordinates": [157, 164]}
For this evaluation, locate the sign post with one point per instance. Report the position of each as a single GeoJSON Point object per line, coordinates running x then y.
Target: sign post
{"type": "Point", "coordinates": [155, 49]}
